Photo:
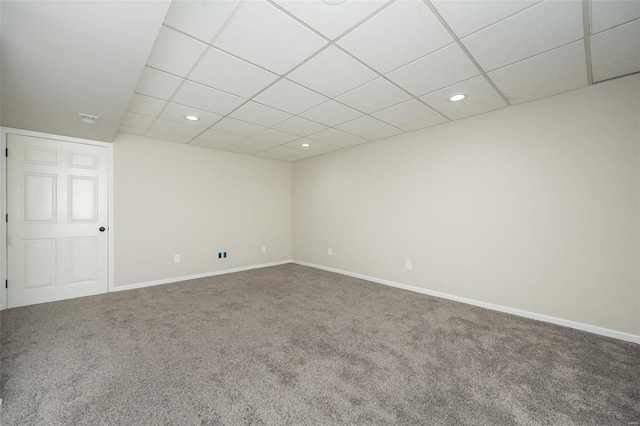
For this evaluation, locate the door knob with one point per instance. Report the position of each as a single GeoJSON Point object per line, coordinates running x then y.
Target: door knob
{"type": "Point", "coordinates": [102, 228]}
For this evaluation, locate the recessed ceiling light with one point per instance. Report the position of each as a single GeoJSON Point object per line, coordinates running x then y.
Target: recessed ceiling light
{"type": "Point", "coordinates": [305, 145]}
{"type": "Point", "coordinates": [457, 98]}
{"type": "Point", "coordinates": [88, 119]}
{"type": "Point", "coordinates": [192, 117]}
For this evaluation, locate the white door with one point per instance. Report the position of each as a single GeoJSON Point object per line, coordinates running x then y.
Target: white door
{"type": "Point", "coordinates": [57, 244]}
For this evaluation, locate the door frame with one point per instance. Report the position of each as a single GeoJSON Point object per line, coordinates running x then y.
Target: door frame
{"type": "Point", "coordinates": [4, 131]}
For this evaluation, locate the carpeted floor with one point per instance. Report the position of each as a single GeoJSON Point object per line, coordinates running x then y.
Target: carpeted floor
{"type": "Point", "coordinates": [295, 345]}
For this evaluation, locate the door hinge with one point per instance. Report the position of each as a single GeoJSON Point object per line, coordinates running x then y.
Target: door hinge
{"type": "Point", "coordinates": [6, 283]}
{"type": "Point", "coordinates": [6, 152]}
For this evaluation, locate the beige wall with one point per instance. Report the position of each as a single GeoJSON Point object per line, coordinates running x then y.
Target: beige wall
{"type": "Point", "coordinates": [171, 199]}
{"type": "Point", "coordinates": [534, 207]}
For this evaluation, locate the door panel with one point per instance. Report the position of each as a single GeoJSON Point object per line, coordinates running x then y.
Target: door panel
{"type": "Point", "coordinates": [57, 199]}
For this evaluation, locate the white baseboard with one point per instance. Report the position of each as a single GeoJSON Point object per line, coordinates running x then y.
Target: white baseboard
{"type": "Point", "coordinates": [532, 315]}
{"type": "Point", "coordinates": [196, 276]}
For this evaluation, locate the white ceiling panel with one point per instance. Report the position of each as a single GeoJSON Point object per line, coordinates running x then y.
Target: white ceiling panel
{"type": "Point", "coordinates": [330, 113]}
{"type": "Point", "coordinates": [477, 89]}
{"type": "Point", "coordinates": [617, 69]}
{"type": "Point", "coordinates": [468, 16]}
{"type": "Point", "coordinates": [374, 96]}
{"type": "Point", "coordinates": [209, 144]}
{"type": "Point", "coordinates": [222, 71]}
{"type": "Point", "coordinates": [131, 130]}
{"type": "Point", "coordinates": [167, 136]}
{"type": "Point", "coordinates": [606, 14]}
{"type": "Point", "coordinates": [175, 52]}
{"type": "Point", "coordinates": [444, 67]}
{"type": "Point", "coordinates": [401, 33]}
{"type": "Point", "coordinates": [616, 45]}
{"type": "Point", "coordinates": [176, 112]}
{"type": "Point", "coordinates": [255, 144]}
{"type": "Point", "coordinates": [299, 126]}
{"type": "Point", "coordinates": [207, 99]}
{"type": "Point", "coordinates": [218, 137]}
{"type": "Point", "coordinates": [237, 127]}
{"type": "Point", "coordinates": [315, 146]}
{"type": "Point", "coordinates": [423, 123]}
{"type": "Point", "coordinates": [540, 28]}
{"type": "Point", "coordinates": [475, 109]}
{"type": "Point", "coordinates": [553, 65]}
{"type": "Point", "coordinates": [242, 150]}
{"type": "Point", "coordinates": [353, 141]}
{"type": "Point", "coordinates": [265, 36]}
{"type": "Point", "coordinates": [363, 126]}
{"type": "Point", "coordinates": [271, 155]}
{"type": "Point", "coordinates": [290, 97]}
{"type": "Point", "coordinates": [285, 150]}
{"type": "Point", "coordinates": [332, 73]}
{"type": "Point", "coordinates": [137, 120]}
{"type": "Point", "coordinates": [331, 20]}
{"type": "Point", "coordinates": [253, 112]}
{"type": "Point", "coordinates": [199, 19]}
{"type": "Point", "coordinates": [168, 126]}
{"type": "Point", "coordinates": [549, 89]}
{"type": "Point", "coordinates": [157, 84]}
{"type": "Point", "coordinates": [384, 133]}
{"type": "Point", "coordinates": [145, 105]}
{"type": "Point", "coordinates": [405, 112]}
{"type": "Point", "coordinates": [331, 136]}
{"type": "Point", "coordinates": [275, 136]}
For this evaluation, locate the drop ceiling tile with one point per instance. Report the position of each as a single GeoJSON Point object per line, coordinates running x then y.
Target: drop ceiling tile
{"type": "Point", "coordinates": [465, 17]}
{"type": "Point", "coordinates": [330, 113]}
{"type": "Point", "coordinates": [284, 151]}
{"type": "Point", "coordinates": [299, 126]}
{"type": "Point", "coordinates": [331, 20]}
{"type": "Point", "coordinates": [212, 135]}
{"type": "Point", "coordinates": [554, 24]}
{"type": "Point", "coordinates": [288, 96]}
{"type": "Point", "coordinates": [157, 84]}
{"type": "Point", "coordinates": [374, 96]}
{"type": "Point", "coordinates": [145, 105]}
{"type": "Point", "coordinates": [256, 113]}
{"type": "Point", "coordinates": [176, 112]}
{"type": "Point", "coordinates": [131, 130]}
{"type": "Point", "coordinates": [237, 127]}
{"type": "Point", "coordinates": [355, 140]}
{"type": "Point", "coordinates": [331, 136]}
{"type": "Point", "coordinates": [549, 89]}
{"type": "Point", "coordinates": [267, 37]}
{"type": "Point", "coordinates": [275, 136]}
{"type": "Point", "coordinates": [167, 126]}
{"type": "Point", "coordinates": [423, 123]}
{"type": "Point", "coordinates": [174, 52]}
{"type": "Point", "coordinates": [241, 150]}
{"type": "Point", "coordinates": [401, 33]}
{"type": "Point", "coordinates": [477, 90]}
{"type": "Point", "coordinates": [553, 65]}
{"type": "Point", "coordinates": [332, 73]}
{"type": "Point", "coordinates": [606, 14]}
{"type": "Point", "coordinates": [209, 144]}
{"type": "Point", "coordinates": [222, 71]}
{"type": "Point", "coordinates": [255, 144]}
{"type": "Point", "coordinates": [167, 136]}
{"type": "Point", "coordinates": [137, 120]}
{"type": "Point", "coordinates": [617, 45]}
{"type": "Point", "coordinates": [475, 109]}
{"type": "Point", "coordinates": [271, 155]}
{"type": "Point", "coordinates": [207, 99]}
{"type": "Point", "coordinates": [617, 69]}
{"type": "Point", "coordinates": [385, 133]}
{"type": "Point", "coordinates": [315, 146]}
{"type": "Point", "coordinates": [363, 126]}
{"type": "Point", "coordinates": [444, 67]}
{"type": "Point", "coordinates": [199, 19]}
{"type": "Point", "coordinates": [405, 112]}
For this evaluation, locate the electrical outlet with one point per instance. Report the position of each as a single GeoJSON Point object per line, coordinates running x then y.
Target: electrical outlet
{"type": "Point", "coordinates": [330, 252]}
{"type": "Point", "coordinates": [408, 265]}
{"type": "Point", "coordinates": [176, 258]}
{"type": "Point", "coordinates": [264, 249]}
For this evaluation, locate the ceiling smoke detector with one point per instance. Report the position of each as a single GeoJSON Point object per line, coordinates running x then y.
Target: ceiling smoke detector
{"type": "Point", "coordinates": [88, 119]}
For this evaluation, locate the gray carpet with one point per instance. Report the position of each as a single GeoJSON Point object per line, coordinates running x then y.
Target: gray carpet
{"type": "Point", "coordinates": [295, 345]}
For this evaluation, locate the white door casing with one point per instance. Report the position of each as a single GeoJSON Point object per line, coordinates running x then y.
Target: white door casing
{"type": "Point", "coordinates": [57, 202]}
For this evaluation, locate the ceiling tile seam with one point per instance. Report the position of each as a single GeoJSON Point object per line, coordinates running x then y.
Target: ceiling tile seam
{"type": "Point", "coordinates": [586, 21]}
{"type": "Point", "coordinates": [457, 40]}
{"type": "Point", "coordinates": [616, 77]}
{"type": "Point", "coordinates": [616, 26]}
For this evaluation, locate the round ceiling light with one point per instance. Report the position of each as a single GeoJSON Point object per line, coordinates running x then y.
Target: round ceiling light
{"type": "Point", "coordinates": [305, 145]}
{"type": "Point", "coordinates": [457, 98]}
{"type": "Point", "coordinates": [192, 117]}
